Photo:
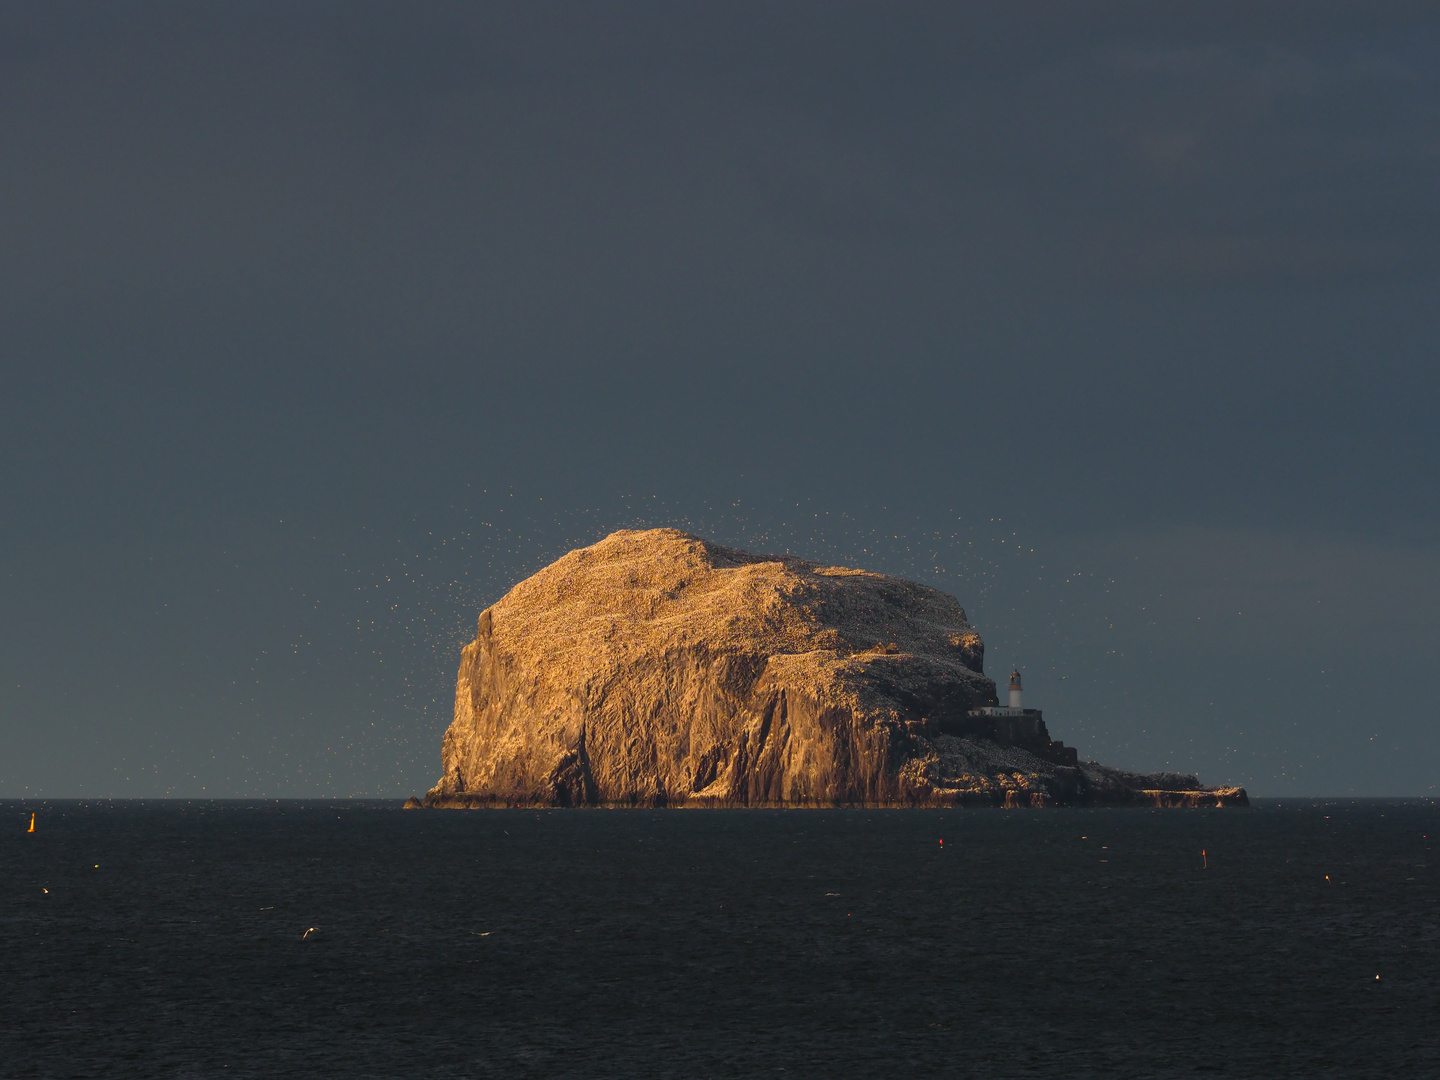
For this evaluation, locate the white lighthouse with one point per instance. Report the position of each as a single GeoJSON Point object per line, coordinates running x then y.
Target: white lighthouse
{"type": "Point", "coordinates": [1015, 707]}
{"type": "Point", "coordinates": [1015, 725]}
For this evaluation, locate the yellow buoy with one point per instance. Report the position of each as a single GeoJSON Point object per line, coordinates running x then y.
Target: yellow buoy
{"type": "Point", "coordinates": [32, 824]}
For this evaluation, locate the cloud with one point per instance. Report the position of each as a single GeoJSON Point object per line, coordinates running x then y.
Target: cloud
{"type": "Point", "coordinates": [1095, 151]}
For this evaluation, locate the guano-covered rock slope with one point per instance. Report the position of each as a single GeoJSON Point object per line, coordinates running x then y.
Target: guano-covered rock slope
{"type": "Point", "coordinates": [658, 669]}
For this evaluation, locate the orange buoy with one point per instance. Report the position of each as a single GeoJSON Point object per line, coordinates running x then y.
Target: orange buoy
{"type": "Point", "coordinates": [32, 823]}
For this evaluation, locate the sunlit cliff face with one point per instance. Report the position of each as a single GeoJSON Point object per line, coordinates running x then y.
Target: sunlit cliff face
{"type": "Point", "coordinates": [655, 668]}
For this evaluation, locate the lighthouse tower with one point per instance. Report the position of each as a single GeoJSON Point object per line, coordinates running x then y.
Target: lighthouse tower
{"type": "Point", "coordinates": [1014, 725]}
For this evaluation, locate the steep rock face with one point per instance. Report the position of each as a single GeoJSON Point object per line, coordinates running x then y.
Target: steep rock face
{"type": "Point", "coordinates": [655, 668]}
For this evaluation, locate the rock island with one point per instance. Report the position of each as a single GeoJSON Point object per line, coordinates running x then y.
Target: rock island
{"type": "Point", "coordinates": [658, 669]}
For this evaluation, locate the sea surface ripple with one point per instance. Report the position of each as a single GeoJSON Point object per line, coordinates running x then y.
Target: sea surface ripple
{"type": "Point", "coordinates": [307, 939]}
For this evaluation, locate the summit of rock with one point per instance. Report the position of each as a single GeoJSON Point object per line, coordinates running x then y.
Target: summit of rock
{"type": "Point", "coordinates": [657, 668]}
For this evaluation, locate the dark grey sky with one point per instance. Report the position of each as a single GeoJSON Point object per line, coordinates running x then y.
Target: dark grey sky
{"type": "Point", "coordinates": [324, 324]}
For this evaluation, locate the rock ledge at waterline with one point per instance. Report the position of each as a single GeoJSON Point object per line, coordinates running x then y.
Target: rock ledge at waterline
{"type": "Point", "coordinates": [659, 669]}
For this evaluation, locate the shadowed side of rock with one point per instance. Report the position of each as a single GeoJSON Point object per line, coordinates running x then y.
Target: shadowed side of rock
{"type": "Point", "coordinates": [967, 771]}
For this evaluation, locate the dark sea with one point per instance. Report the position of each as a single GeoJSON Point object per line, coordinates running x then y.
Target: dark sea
{"type": "Point", "coordinates": [350, 939]}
